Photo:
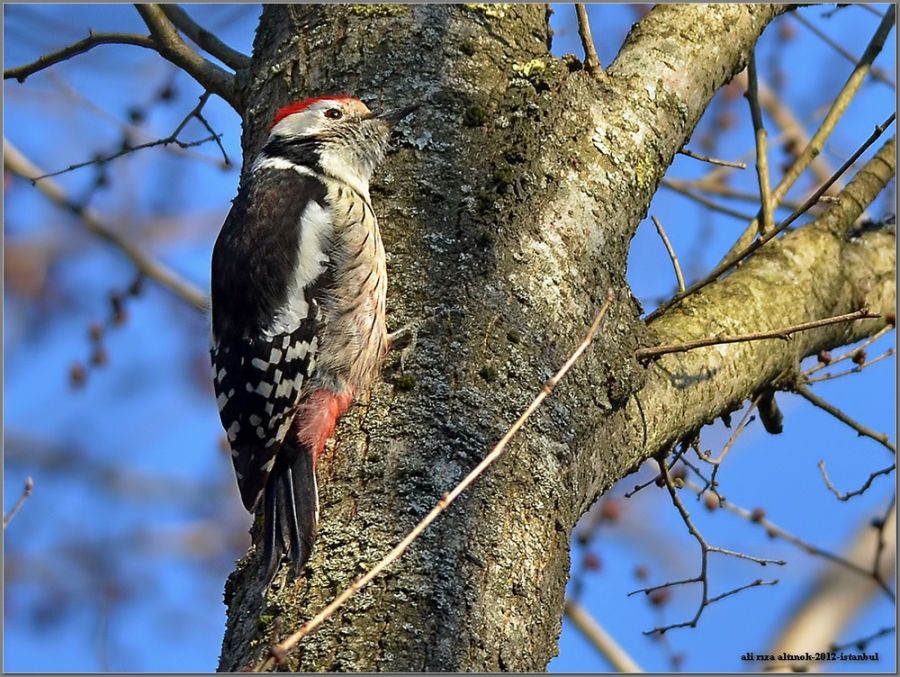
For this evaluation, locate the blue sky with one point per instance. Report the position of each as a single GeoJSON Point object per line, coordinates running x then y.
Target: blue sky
{"type": "Point", "coordinates": [118, 559]}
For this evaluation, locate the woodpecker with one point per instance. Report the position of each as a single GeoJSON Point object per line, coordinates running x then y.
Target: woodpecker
{"type": "Point", "coordinates": [298, 299]}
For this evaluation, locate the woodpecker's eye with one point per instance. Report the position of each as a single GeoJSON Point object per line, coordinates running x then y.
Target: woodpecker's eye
{"type": "Point", "coordinates": [334, 113]}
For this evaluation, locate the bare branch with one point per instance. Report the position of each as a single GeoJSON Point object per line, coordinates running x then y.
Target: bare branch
{"type": "Point", "coordinates": [652, 353]}
{"type": "Point", "coordinates": [857, 492]}
{"type": "Point", "coordinates": [26, 492]}
{"type": "Point", "coordinates": [662, 234]}
{"type": "Point", "coordinates": [846, 95]}
{"type": "Point", "coordinates": [863, 642]}
{"type": "Point", "coordinates": [17, 163]}
{"type": "Point", "coordinates": [726, 191]}
{"type": "Point", "coordinates": [762, 160]}
{"type": "Point", "coordinates": [205, 40]}
{"type": "Point", "coordinates": [172, 47]}
{"type": "Point", "coordinates": [861, 430]}
{"type": "Point", "coordinates": [839, 374]}
{"type": "Point", "coordinates": [591, 60]}
{"type": "Point", "coordinates": [712, 160]}
{"type": "Point", "coordinates": [279, 651]}
{"type": "Point", "coordinates": [597, 635]}
{"type": "Point", "coordinates": [679, 187]}
{"type": "Point", "coordinates": [758, 516]}
{"type": "Point", "coordinates": [728, 263]}
{"type": "Point", "coordinates": [80, 47]}
{"type": "Point", "coordinates": [705, 550]}
{"type": "Point", "coordinates": [874, 73]}
{"type": "Point", "coordinates": [849, 353]}
{"type": "Point", "coordinates": [172, 139]}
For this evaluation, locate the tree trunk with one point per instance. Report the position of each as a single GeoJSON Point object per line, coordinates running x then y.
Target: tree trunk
{"type": "Point", "coordinates": [507, 211]}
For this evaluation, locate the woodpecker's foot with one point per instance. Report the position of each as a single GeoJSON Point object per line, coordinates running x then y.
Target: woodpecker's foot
{"type": "Point", "coordinates": [404, 339]}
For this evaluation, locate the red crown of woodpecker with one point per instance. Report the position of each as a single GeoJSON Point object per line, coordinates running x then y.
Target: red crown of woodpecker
{"type": "Point", "coordinates": [300, 106]}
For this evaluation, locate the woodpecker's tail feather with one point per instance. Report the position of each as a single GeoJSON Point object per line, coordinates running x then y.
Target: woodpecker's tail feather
{"type": "Point", "coordinates": [291, 510]}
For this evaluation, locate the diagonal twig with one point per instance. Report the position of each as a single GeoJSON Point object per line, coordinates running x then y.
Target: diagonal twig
{"type": "Point", "coordinates": [874, 73]}
{"type": "Point", "coordinates": [654, 352]}
{"type": "Point", "coordinates": [863, 431]}
{"type": "Point", "coordinates": [18, 164]}
{"type": "Point", "coordinates": [733, 260]}
{"type": "Point", "coordinates": [668, 245]}
{"type": "Point", "coordinates": [841, 496]}
{"type": "Point", "coordinates": [80, 47]}
{"type": "Point", "coordinates": [591, 60]}
{"type": "Point", "coordinates": [204, 39]}
{"type": "Point", "coordinates": [171, 47]}
{"type": "Point", "coordinates": [817, 143]}
{"type": "Point", "coordinates": [711, 160]}
{"type": "Point", "coordinates": [172, 139]}
{"type": "Point", "coordinates": [279, 651]}
{"type": "Point", "coordinates": [26, 492]}
{"type": "Point", "coordinates": [620, 659]}
{"type": "Point", "coordinates": [767, 222]}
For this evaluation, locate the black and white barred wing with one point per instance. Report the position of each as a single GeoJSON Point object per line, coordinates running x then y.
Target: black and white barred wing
{"type": "Point", "coordinates": [269, 272]}
{"type": "Point", "coordinates": [258, 384]}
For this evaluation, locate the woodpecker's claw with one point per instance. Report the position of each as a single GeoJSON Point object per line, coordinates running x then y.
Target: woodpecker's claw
{"type": "Point", "coordinates": [405, 339]}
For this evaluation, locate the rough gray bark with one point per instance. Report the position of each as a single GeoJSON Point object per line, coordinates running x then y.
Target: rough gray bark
{"type": "Point", "coordinates": [507, 210]}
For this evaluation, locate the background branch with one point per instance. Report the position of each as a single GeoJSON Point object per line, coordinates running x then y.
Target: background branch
{"type": "Point", "coordinates": [172, 47]}
{"type": "Point", "coordinates": [20, 73]}
{"type": "Point", "coordinates": [205, 40]}
{"type": "Point", "coordinates": [17, 163]}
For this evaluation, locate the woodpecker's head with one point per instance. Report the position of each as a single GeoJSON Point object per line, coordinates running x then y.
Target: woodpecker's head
{"type": "Point", "coordinates": [333, 135]}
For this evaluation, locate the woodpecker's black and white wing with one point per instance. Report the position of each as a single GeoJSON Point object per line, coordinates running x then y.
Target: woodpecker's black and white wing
{"type": "Point", "coordinates": [270, 270]}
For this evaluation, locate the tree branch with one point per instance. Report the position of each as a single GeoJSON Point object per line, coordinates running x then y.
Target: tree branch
{"type": "Point", "coordinates": [762, 160]}
{"type": "Point", "coordinates": [170, 45]}
{"type": "Point", "coordinates": [860, 429]}
{"type": "Point", "coordinates": [205, 40]}
{"type": "Point", "coordinates": [652, 353]}
{"type": "Point", "coordinates": [20, 73]}
{"type": "Point", "coordinates": [608, 647]}
{"type": "Point", "coordinates": [846, 95]}
{"type": "Point", "coordinates": [591, 60]}
{"type": "Point", "coordinates": [741, 255]}
{"type": "Point", "coordinates": [17, 163]}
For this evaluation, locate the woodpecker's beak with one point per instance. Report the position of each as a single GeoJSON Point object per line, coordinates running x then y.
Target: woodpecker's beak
{"type": "Point", "coordinates": [394, 115]}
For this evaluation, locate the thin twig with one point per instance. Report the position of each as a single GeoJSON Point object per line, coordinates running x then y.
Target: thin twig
{"type": "Point", "coordinates": [849, 353]}
{"type": "Point", "coordinates": [874, 73]}
{"type": "Point", "coordinates": [705, 201]}
{"type": "Point", "coordinates": [26, 492]}
{"type": "Point", "coordinates": [712, 160]}
{"type": "Point", "coordinates": [591, 60]}
{"type": "Point", "coordinates": [618, 658]}
{"type": "Point", "coordinates": [772, 530]}
{"type": "Point", "coordinates": [171, 47]}
{"type": "Point", "coordinates": [172, 139]}
{"type": "Point", "coordinates": [860, 429]}
{"type": "Point", "coordinates": [817, 143]}
{"type": "Point", "coordinates": [727, 191]}
{"type": "Point", "coordinates": [93, 40]}
{"type": "Point", "coordinates": [205, 40]}
{"type": "Point", "coordinates": [677, 266]}
{"type": "Point", "coordinates": [881, 542]}
{"type": "Point", "coordinates": [705, 550]}
{"type": "Point", "coordinates": [728, 263]}
{"type": "Point", "coordinates": [279, 651]}
{"type": "Point", "coordinates": [767, 221]}
{"type": "Point", "coordinates": [857, 492]}
{"type": "Point", "coordinates": [862, 642]}
{"type": "Point", "coordinates": [18, 164]}
{"type": "Point", "coordinates": [654, 352]}
{"type": "Point", "coordinates": [839, 374]}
